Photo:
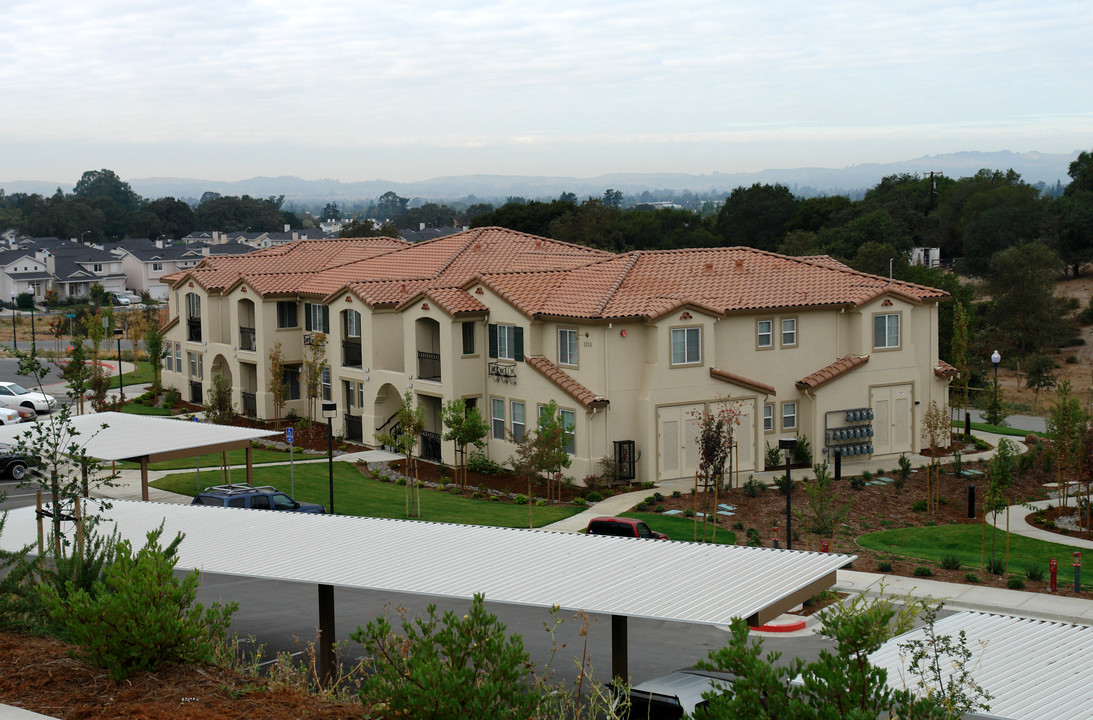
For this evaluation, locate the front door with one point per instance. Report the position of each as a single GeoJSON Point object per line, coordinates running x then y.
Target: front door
{"type": "Point", "coordinates": [677, 449]}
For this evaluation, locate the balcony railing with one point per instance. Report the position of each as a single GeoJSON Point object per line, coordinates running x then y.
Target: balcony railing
{"type": "Point", "coordinates": [430, 445]}
{"type": "Point", "coordinates": [250, 403]}
{"type": "Point", "coordinates": [247, 339]}
{"type": "Point", "coordinates": [351, 353]}
{"type": "Point", "coordinates": [354, 428]}
{"type": "Point", "coordinates": [197, 397]}
{"type": "Point", "coordinates": [194, 325]}
{"type": "Point", "coordinates": [428, 366]}
{"type": "Point", "coordinates": [503, 372]}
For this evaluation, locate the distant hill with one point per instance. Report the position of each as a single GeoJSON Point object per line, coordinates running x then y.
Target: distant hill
{"type": "Point", "coordinates": [1034, 167]}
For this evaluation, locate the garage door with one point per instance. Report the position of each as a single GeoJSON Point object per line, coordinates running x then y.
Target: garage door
{"type": "Point", "coordinates": [892, 419]}
{"type": "Point", "coordinates": [677, 448]}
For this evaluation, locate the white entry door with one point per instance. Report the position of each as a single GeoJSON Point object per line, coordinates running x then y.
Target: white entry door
{"type": "Point", "coordinates": [745, 436]}
{"type": "Point", "coordinates": [677, 449]}
{"type": "Point", "coordinates": [892, 419]}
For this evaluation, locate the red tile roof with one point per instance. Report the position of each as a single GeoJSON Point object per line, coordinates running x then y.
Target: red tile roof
{"type": "Point", "coordinates": [544, 277]}
{"type": "Point", "coordinates": [944, 369]}
{"type": "Point", "coordinates": [832, 371]}
{"type": "Point", "coordinates": [742, 381]}
{"type": "Point", "coordinates": [571, 387]}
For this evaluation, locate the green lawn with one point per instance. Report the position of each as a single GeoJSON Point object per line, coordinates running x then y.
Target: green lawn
{"type": "Point", "coordinates": [680, 528]}
{"type": "Point", "coordinates": [134, 409]}
{"type": "Point", "coordinates": [355, 494]}
{"type": "Point", "coordinates": [210, 460]}
{"type": "Point", "coordinates": [143, 375]}
{"type": "Point", "coordinates": [964, 541]}
{"type": "Point", "coordinates": [998, 429]}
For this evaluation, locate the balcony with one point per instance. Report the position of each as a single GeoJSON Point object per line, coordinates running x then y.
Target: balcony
{"type": "Point", "coordinates": [197, 397]}
{"type": "Point", "coordinates": [351, 353]}
{"type": "Point", "coordinates": [428, 366]}
{"type": "Point", "coordinates": [250, 403]}
{"type": "Point", "coordinates": [503, 372]}
{"type": "Point", "coordinates": [247, 339]}
{"type": "Point", "coordinates": [194, 329]}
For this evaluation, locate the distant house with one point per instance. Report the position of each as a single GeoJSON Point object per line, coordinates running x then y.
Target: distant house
{"type": "Point", "coordinates": [145, 261]}
{"type": "Point", "coordinates": [926, 256]}
{"type": "Point", "coordinates": [22, 273]}
{"type": "Point", "coordinates": [75, 267]}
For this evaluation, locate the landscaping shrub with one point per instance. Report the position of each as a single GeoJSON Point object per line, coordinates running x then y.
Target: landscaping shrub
{"type": "Point", "coordinates": [919, 506]}
{"type": "Point", "coordinates": [738, 525]}
{"type": "Point", "coordinates": [641, 507]}
{"type": "Point", "coordinates": [752, 538]}
{"type": "Point", "coordinates": [857, 483]}
{"type": "Point", "coordinates": [593, 496]}
{"type": "Point", "coordinates": [478, 495]}
{"type": "Point", "coordinates": [540, 502]}
{"type": "Point", "coordinates": [950, 562]}
{"type": "Point", "coordinates": [450, 667]}
{"type": "Point", "coordinates": [658, 509]}
{"type": "Point", "coordinates": [774, 456]}
{"type": "Point", "coordinates": [454, 490]}
{"type": "Point", "coordinates": [648, 485]}
{"type": "Point", "coordinates": [400, 481]}
{"type": "Point", "coordinates": [923, 571]}
{"type": "Point", "coordinates": [1034, 572]}
{"type": "Point", "coordinates": [1015, 583]}
{"type": "Point", "coordinates": [520, 499]}
{"type": "Point", "coordinates": [904, 471]}
{"type": "Point", "coordinates": [651, 500]}
{"type": "Point", "coordinates": [784, 484]}
{"type": "Point", "coordinates": [753, 487]}
{"type": "Point", "coordinates": [866, 476]}
{"type": "Point", "coordinates": [139, 615]}
{"type": "Point", "coordinates": [688, 513]}
{"type": "Point", "coordinates": [580, 501]}
{"type": "Point", "coordinates": [802, 454]}
{"type": "Point", "coordinates": [884, 566]}
{"type": "Point", "coordinates": [658, 496]}
{"type": "Point", "coordinates": [996, 565]}
{"type": "Point", "coordinates": [1071, 359]}
{"type": "Point", "coordinates": [971, 577]}
{"type": "Point", "coordinates": [677, 494]}
{"type": "Point", "coordinates": [495, 498]}
{"type": "Point", "coordinates": [478, 462]}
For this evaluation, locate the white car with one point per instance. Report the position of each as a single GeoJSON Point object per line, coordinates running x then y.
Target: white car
{"type": "Point", "coordinates": [13, 395]}
{"type": "Point", "coordinates": [11, 416]}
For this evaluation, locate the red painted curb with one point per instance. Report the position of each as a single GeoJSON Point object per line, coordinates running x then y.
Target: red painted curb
{"type": "Point", "coordinates": [786, 627]}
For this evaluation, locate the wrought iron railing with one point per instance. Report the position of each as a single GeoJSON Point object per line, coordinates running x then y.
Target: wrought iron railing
{"type": "Point", "coordinates": [503, 372]}
{"type": "Point", "coordinates": [194, 333]}
{"type": "Point", "coordinates": [247, 339]}
{"type": "Point", "coordinates": [351, 353]}
{"type": "Point", "coordinates": [430, 445]}
{"type": "Point", "coordinates": [428, 365]}
{"type": "Point", "coordinates": [250, 403]}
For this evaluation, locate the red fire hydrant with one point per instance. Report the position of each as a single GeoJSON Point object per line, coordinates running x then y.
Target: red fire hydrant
{"type": "Point", "coordinates": [1053, 569]}
{"type": "Point", "coordinates": [774, 536]}
{"type": "Point", "coordinates": [825, 546]}
{"type": "Point", "coordinates": [1077, 571]}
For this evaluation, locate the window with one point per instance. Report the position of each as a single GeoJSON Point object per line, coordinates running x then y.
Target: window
{"type": "Point", "coordinates": [292, 382]}
{"type": "Point", "coordinates": [686, 346]}
{"type": "Point", "coordinates": [886, 331]}
{"type": "Point", "coordinates": [506, 342]}
{"type": "Point", "coordinates": [259, 502]}
{"type": "Point", "coordinates": [178, 357]}
{"type": "Point", "coordinates": [157, 267]}
{"type": "Point", "coordinates": [789, 332]}
{"type": "Point", "coordinates": [498, 408]}
{"type": "Point", "coordinates": [352, 324]}
{"type": "Point", "coordinates": [764, 334]}
{"type": "Point", "coordinates": [567, 346]}
{"type": "Point", "coordinates": [768, 417]}
{"type": "Point", "coordinates": [316, 317]}
{"type": "Point", "coordinates": [193, 304]}
{"type": "Point", "coordinates": [518, 420]}
{"type": "Point", "coordinates": [569, 422]}
{"type": "Point", "coordinates": [789, 416]}
{"type": "Point", "coordinates": [197, 365]}
{"type": "Point", "coordinates": [97, 267]}
{"type": "Point", "coordinates": [286, 314]}
{"type": "Point", "coordinates": [324, 383]}
{"type": "Point", "coordinates": [360, 394]}
{"type": "Point", "coordinates": [468, 338]}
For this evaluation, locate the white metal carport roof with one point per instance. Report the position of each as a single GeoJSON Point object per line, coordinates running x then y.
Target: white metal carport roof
{"type": "Point", "coordinates": [1032, 668]}
{"type": "Point", "coordinates": [142, 438]}
{"type": "Point", "coordinates": [621, 577]}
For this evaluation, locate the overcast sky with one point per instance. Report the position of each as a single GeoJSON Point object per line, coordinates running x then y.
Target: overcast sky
{"type": "Point", "coordinates": [410, 90]}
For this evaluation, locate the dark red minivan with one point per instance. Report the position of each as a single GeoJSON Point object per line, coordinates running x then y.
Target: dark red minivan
{"type": "Point", "coordinates": [622, 527]}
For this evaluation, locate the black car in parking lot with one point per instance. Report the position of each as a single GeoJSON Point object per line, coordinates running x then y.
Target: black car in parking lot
{"type": "Point", "coordinates": [13, 465]}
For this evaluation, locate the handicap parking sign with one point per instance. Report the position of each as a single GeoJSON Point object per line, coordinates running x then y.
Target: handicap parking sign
{"type": "Point", "coordinates": [288, 435]}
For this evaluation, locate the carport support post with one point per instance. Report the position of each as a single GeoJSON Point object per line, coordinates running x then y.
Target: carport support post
{"type": "Point", "coordinates": [326, 633]}
{"type": "Point", "coordinates": [144, 478]}
{"type": "Point", "coordinates": [250, 467]}
{"type": "Point", "coordinates": [619, 671]}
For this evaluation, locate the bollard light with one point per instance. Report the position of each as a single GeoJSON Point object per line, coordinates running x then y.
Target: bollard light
{"type": "Point", "coordinates": [788, 445]}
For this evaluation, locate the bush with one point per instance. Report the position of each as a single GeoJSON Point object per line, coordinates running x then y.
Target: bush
{"type": "Point", "coordinates": [753, 487]}
{"type": "Point", "coordinates": [971, 577]}
{"type": "Point", "coordinates": [996, 565]}
{"type": "Point", "coordinates": [479, 463]}
{"type": "Point", "coordinates": [802, 454]}
{"type": "Point", "coordinates": [648, 485]}
{"type": "Point", "coordinates": [1071, 360]}
{"type": "Point", "coordinates": [884, 566]}
{"type": "Point", "coordinates": [919, 506]}
{"type": "Point", "coordinates": [857, 482]}
{"type": "Point", "coordinates": [593, 496]}
{"type": "Point", "coordinates": [1015, 583]}
{"type": "Point", "coordinates": [495, 498]}
{"type": "Point", "coordinates": [752, 538]}
{"type": "Point", "coordinates": [784, 484]}
{"type": "Point", "coordinates": [658, 509]}
{"type": "Point", "coordinates": [1035, 573]}
{"type": "Point", "coordinates": [677, 494]}
{"type": "Point", "coordinates": [520, 499]}
{"type": "Point", "coordinates": [904, 470]}
{"type": "Point", "coordinates": [540, 502]}
{"type": "Point", "coordinates": [641, 507]}
{"type": "Point", "coordinates": [139, 615]}
{"type": "Point", "coordinates": [923, 571]}
{"type": "Point", "coordinates": [950, 562]}
{"type": "Point", "coordinates": [171, 398]}
{"type": "Point", "coordinates": [688, 513]}
{"type": "Point", "coordinates": [738, 525]}
{"type": "Point", "coordinates": [866, 476]}
{"type": "Point", "coordinates": [650, 500]}
{"type": "Point", "coordinates": [774, 456]}
{"type": "Point", "coordinates": [580, 501]}
{"type": "Point", "coordinates": [450, 667]}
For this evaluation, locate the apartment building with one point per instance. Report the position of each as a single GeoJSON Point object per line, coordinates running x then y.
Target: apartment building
{"type": "Point", "coordinates": [630, 346]}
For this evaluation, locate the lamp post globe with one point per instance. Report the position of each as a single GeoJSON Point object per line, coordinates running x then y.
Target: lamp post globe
{"type": "Point", "coordinates": [996, 358]}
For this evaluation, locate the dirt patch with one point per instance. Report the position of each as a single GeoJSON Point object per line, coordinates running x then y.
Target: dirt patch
{"type": "Point", "coordinates": [38, 674]}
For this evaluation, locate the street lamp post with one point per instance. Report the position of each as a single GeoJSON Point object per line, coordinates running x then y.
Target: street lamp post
{"type": "Point", "coordinates": [788, 445]}
{"type": "Point", "coordinates": [330, 411]}
{"type": "Point", "coordinates": [14, 337]}
{"type": "Point", "coordinates": [121, 387]}
{"type": "Point", "coordinates": [996, 358]}
{"type": "Point", "coordinates": [33, 347]}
